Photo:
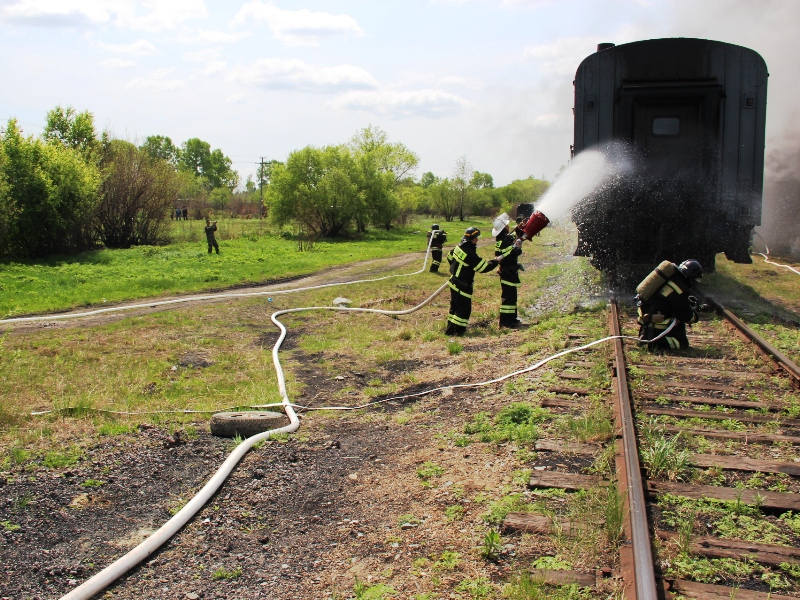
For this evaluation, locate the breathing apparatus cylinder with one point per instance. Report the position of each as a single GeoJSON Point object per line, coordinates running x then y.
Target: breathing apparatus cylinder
{"type": "Point", "coordinates": [536, 222]}
{"type": "Point", "coordinates": [653, 282]}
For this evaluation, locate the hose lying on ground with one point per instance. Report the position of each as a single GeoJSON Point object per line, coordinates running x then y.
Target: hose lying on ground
{"type": "Point", "coordinates": [122, 565]}
{"type": "Point", "coordinates": [767, 260]}
{"type": "Point", "coordinates": [107, 576]}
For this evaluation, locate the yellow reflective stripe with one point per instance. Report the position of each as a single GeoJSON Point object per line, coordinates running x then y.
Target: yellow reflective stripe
{"type": "Point", "coordinates": [666, 291]}
{"type": "Point", "coordinates": [457, 320]}
{"type": "Point", "coordinates": [455, 289]}
{"type": "Point", "coordinates": [675, 286]}
{"type": "Point", "coordinates": [673, 343]}
{"type": "Point", "coordinates": [481, 265]}
{"type": "Point", "coordinates": [511, 283]}
{"type": "Point", "coordinates": [508, 310]}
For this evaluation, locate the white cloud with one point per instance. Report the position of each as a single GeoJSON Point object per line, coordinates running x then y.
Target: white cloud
{"type": "Point", "coordinates": [239, 98]}
{"type": "Point", "coordinates": [158, 80]}
{"type": "Point", "coordinates": [155, 15]}
{"type": "Point", "coordinates": [210, 36]}
{"type": "Point", "coordinates": [118, 63]}
{"type": "Point", "coordinates": [205, 55]}
{"type": "Point", "coordinates": [562, 56]}
{"type": "Point", "coordinates": [466, 82]}
{"type": "Point", "coordinates": [138, 48]}
{"type": "Point", "coordinates": [430, 103]}
{"type": "Point", "coordinates": [297, 27]}
{"type": "Point", "coordinates": [294, 74]}
{"type": "Point", "coordinates": [214, 67]}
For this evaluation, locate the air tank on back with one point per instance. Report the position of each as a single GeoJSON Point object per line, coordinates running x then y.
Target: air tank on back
{"type": "Point", "coordinates": [686, 119]}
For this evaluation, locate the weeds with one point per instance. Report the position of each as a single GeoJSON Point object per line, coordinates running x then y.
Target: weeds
{"type": "Point", "coordinates": [492, 546]}
{"type": "Point", "coordinates": [428, 471]}
{"type": "Point", "coordinates": [454, 512]}
{"type": "Point", "coordinates": [663, 457]}
{"type": "Point", "coordinates": [500, 508]}
{"type": "Point", "coordinates": [614, 509]}
{"type": "Point", "coordinates": [224, 574]}
{"type": "Point", "coordinates": [362, 591]}
{"type": "Point", "coordinates": [478, 589]}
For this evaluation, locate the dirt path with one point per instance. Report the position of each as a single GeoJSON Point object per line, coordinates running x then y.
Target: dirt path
{"type": "Point", "coordinates": [340, 274]}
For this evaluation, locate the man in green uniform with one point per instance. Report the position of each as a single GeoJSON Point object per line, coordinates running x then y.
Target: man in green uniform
{"type": "Point", "coordinates": [464, 263]}
{"type": "Point", "coordinates": [212, 241]}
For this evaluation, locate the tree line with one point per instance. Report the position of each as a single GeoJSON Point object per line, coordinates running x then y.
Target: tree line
{"type": "Point", "coordinates": [72, 189]}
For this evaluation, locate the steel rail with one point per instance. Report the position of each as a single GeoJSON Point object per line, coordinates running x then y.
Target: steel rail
{"type": "Point", "coordinates": [784, 361]}
{"type": "Point", "coordinates": [644, 570]}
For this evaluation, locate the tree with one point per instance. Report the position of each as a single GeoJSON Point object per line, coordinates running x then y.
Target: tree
{"type": "Point", "coordinates": [316, 190]}
{"type": "Point", "coordinates": [481, 181]}
{"type": "Point", "coordinates": [444, 198]}
{"type": "Point", "coordinates": [51, 194]}
{"type": "Point", "coordinates": [427, 180]}
{"type": "Point", "coordinates": [213, 167]}
{"type": "Point", "coordinates": [73, 130]}
{"type": "Point", "coordinates": [138, 193]}
{"type": "Point", "coordinates": [160, 146]}
{"type": "Point", "coordinates": [395, 158]}
{"type": "Point", "coordinates": [462, 175]}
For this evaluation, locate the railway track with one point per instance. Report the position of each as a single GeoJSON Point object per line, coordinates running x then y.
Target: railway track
{"type": "Point", "coordinates": [708, 456]}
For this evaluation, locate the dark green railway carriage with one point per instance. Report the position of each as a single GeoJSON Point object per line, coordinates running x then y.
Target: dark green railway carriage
{"type": "Point", "coordinates": [688, 116]}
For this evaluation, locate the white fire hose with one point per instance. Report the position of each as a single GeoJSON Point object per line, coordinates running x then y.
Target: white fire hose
{"type": "Point", "coordinates": [122, 565]}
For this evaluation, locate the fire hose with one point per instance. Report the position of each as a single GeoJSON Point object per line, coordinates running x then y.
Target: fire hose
{"type": "Point", "coordinates": [111, 573]}
{"type": "Point", "coordinates": [767, 260]}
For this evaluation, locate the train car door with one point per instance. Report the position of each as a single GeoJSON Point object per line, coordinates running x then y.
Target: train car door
{"type": "Point", "coordinates": [671, 137]}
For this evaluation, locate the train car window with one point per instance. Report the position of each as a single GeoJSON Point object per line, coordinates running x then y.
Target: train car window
{"type": "Point", "coordinates": [667, 126]}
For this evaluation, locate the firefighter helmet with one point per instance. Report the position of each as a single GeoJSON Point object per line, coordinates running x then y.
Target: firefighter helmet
{"type": "Point", "coordinates": [434, 227]}
{"type": "Point", "coordinates": [500, 223]}
{"type": "Point", "coordinates": [691, 269]}
{"type": "Point", "coordinates": [471, 233]}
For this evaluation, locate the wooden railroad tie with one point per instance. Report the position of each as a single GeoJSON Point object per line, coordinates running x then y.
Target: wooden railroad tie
{"type": "Point", "coordinates": [567, 447]}
{"type": "Point", "coordinates": [729, 402]}
{"type": "Point", "coordinates": [715, 547]}
{"type": "Point", "coordinates": [738, 436]}
{"type": "Point", "coordinates": [771, 500]}
{"type": "Point", "coordinates": [715, 415]}
{"type": "Point", "coordinates": [741, 463]}
{"type": "Point", "coordinates": [706, 591]}
{"type": "Point", "coordinates": [571, 482]}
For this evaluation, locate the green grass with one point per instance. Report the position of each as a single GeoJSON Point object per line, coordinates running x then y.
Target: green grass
{"type": "Point", "coordinates": [106, 276]}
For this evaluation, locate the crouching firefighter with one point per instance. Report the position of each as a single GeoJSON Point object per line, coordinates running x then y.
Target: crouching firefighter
{"type": "Point", "coordinates": [663, 296]}
{"type": "Point", "coordinates": [437, 239]}
{"type": "Point", "coordinates": [509, 246]}
{"type": "Point", "coordinates": [464, 263]}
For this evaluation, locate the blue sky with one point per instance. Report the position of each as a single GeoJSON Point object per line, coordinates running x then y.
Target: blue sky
{"type": "Point", "coordinates": [489, 79]}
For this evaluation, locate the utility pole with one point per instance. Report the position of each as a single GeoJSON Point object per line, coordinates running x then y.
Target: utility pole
{"type": "Point", "coordinates": [261, 187]}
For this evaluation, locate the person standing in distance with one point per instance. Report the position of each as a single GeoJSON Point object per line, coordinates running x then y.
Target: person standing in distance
{"type": "Point", "coordinates": [464, 263]}
{"type": "Point", "coordinates": [438, 238]}
{"type": "Point", "coordinates": [509, 246]}
{"type": "Point", "coordinates": [212, 240]}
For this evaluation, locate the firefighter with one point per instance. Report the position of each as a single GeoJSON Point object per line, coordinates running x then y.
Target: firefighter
{"type": "Point", "coordinates": [464, 263]}
{"type": "Point", "coordinates": [439, 238]}
{"type": "Point", "coordinates": [672, 301]}
{"type": "Point", "coordinates": [509, 246]}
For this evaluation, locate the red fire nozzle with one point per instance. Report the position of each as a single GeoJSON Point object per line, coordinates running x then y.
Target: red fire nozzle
{"type": "Point", "coordinates": [535, 223]}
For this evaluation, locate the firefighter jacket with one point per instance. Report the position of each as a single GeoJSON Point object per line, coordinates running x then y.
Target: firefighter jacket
{"type": "Point", "coordinates": [439, 238]}
{"type": "Point", "coordinates": [672, 301]}
{"type": "Point", "coordinates": [464, 263]}
{"type": "Point", "coordinates": [504, 246]}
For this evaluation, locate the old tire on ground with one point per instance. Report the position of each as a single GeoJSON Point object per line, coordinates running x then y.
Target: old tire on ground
{"type": "Point", "coordinates": [245, 423]}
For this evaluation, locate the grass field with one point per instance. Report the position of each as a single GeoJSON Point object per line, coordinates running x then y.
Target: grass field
{"type": "Point", "coordinates": [250, 254]}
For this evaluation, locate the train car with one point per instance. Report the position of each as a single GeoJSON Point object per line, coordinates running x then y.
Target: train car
{"type": "Point", "coordinates": [684, 119]}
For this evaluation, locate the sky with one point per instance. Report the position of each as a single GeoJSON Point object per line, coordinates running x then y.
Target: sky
{"type": "Point", "coordinates": [487, 79]}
